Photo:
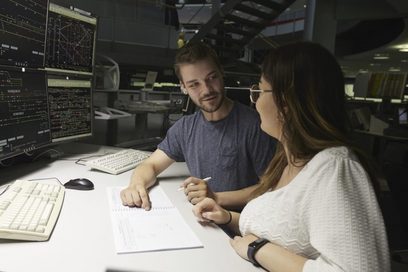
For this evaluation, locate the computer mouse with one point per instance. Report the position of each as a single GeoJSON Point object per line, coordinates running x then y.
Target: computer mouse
{"type": "Point", "coordinates": [79, 184]}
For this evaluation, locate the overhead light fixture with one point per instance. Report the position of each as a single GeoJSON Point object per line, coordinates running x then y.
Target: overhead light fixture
{"type": "Point", "coordinates": [381, 56]}
{"type": "Point", "coordinates": [402, 47]}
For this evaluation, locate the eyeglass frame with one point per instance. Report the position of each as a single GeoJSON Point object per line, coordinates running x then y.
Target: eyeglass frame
{"type": "Point", "coordinates": [257, 90]}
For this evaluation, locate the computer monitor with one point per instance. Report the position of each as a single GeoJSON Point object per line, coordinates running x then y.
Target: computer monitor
{"type": "Point", "coordinates": [24, 116]}
{"type": "Point", "coordinates": [71, 39]}
{"type": "Point", "coordinates": [70, 107]}
{"type": "Point", "coordinates": [387, 85]}
{"type": "Point", "coordinates": [22, 32]}
{"type": "Point", "coordinates": [403, 116]}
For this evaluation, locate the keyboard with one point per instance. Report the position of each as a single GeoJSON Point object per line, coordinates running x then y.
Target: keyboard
{"type": "Point", "coordinates": [118, 162]}
{"type": "Point", "coordinates": [29, 210]}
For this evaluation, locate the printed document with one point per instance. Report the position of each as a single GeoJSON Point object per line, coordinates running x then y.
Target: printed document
{"type": "Point", "coordinates": [161, 228]}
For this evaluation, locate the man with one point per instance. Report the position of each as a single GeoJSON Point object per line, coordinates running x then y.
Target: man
{"type": "Point", "coordinates": [222, 140]}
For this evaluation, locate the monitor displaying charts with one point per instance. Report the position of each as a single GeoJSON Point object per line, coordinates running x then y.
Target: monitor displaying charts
{"type": "Point", "coordinates": [23, 25]}
{"type": "Point", "coordinates": [70, 107]}
{"type": "Point", "coordinates": [70, 41]}
{"type": "Point", "coordinates": [24, 116]}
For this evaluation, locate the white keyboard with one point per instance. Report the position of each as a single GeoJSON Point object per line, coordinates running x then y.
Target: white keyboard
{"type": "Point", "coordinates": [29, 210]}
{"type": "Point", "coordinates": [119, 162]}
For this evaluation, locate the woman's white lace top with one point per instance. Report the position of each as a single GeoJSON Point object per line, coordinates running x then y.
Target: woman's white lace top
{"type": "Point", "coordinates": [327, 213]}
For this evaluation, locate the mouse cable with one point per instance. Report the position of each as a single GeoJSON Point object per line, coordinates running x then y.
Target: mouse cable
{"type": "Point", "coordinates": [8, 185]}
{"type": "Point", "coordinates": [54, 178]}
{"type": "Point", "coordinates": [93, 156]}
{"type": "Point", "coordinates": [5, 189]}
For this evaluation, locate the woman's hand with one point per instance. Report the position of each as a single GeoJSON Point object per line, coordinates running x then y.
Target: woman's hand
{"type": "Point", "coordinates": [208, 210]}
{"type": "Point", "coordinates": [240, 244]}
{"type": "Point", "coordinates": [196, 190]}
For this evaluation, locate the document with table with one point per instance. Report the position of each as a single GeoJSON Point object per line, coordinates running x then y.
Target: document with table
{"type": "Point", "coordinates": [161, 228]}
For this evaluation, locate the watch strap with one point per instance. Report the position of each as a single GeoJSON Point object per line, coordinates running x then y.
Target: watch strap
{"type": "Point", "coordinates": [253, 248]}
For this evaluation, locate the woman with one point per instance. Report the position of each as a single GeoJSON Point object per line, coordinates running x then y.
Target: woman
{"type": "Point", "coordinates": [316, 208]}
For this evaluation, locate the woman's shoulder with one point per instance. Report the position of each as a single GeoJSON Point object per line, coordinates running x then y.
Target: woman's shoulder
{"type": "Point", "coordinates": [338, 153]}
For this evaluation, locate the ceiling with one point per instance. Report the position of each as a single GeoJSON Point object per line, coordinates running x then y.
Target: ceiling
{"type": "Point", "coordinates": [369, 34]}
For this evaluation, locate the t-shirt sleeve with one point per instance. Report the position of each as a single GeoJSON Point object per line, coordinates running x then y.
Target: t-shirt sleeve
{"type": "Point", "coordinates": [344, 221]}
{"type": "Point", "coordinates": [172, 144]}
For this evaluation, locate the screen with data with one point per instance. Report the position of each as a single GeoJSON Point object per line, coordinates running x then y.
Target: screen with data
{"type": "Point", "coordinates": [22, 32]}
{"type": "Point", "coordinates": [24, 116]}
{"type": "Point", "coordinates": [70, 105]}
{"type": "Point", "coordinates": [70, 41]}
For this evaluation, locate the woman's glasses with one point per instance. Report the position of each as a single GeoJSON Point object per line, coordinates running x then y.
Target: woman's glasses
{"type": "Point", "coordinates": [255, 91]}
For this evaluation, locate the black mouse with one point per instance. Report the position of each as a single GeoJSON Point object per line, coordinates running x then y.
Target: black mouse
{"type": "Point", "coordinates": [79, 184]}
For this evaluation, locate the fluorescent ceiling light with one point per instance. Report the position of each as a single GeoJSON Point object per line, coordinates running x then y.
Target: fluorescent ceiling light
{"type": "Point", "coordinates": [381, 56]}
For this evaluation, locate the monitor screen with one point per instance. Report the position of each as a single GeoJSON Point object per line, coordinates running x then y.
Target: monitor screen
{"type": "Point", "coordinates": [70, 104]}
{"type": "Point", "coordinates": [70, 41]}
{"type": "Point", "coordinates": [22, 32]}
{"type": "Point", "coordinates": [387, 85]}
{"type": "Point", "coordinates": [403, 116]}
{"type": "Point", "coordinates": [24, 118]}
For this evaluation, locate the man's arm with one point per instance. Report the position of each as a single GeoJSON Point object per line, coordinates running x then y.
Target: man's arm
{"type": "Point", "coordinates": [235, 199]}
{"type": "Point", "coordinates": [143, 177]}
{"type": "Point", "coordinates": [197, 189]}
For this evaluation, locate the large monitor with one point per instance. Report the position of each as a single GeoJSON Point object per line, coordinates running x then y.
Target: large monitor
{"type": "Point", "coordinates": [24, 116]}
{"type": "Point", "coordinates": [71, 39]}
{"type": "Point", "coordinates": [22, 32]}
{"type": "Point", "coordinates": [70, 107]}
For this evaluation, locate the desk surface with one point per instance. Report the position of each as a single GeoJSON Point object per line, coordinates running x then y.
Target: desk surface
{"type": "Point", "coordinates": [83, 238]}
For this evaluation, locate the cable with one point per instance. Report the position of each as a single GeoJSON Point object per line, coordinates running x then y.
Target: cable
{"type": "Point", "coordinates": [7, 186]}
{"type": "Point", "coordinates": [83, 158]}
{"type": "Point", "coordinates": [9, 164]}
{"type": "Point", "coordinates": [47, 178]}
{"type": "Point", "coordinates": [47, 151]}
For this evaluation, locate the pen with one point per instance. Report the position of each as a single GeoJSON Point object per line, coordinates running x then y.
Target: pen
{"type": "Point", "coordinates": [205, 179]}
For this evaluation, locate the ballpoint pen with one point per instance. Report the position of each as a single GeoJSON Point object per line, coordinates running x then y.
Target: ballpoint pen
{"type": "Point", "coordinates": [205, 179]}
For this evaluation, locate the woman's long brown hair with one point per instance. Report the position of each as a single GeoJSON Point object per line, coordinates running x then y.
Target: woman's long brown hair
{"type": "Point", "coordinates": [308, 88]}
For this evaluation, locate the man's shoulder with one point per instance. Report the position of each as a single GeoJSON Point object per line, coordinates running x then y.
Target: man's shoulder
{"type": "Point", "coordinates": [247, 110]}
{"type": "Point", "coordinates": [247, 114]}
{"type": "Point", "coordinates": [187, 119]}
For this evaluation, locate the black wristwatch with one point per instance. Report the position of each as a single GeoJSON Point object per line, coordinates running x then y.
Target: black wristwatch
{"type": "Point", "coordinates": [253, 248]}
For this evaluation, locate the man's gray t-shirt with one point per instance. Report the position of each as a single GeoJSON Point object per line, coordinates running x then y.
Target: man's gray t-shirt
{"type": "Point", "coordinates": [233, 151]}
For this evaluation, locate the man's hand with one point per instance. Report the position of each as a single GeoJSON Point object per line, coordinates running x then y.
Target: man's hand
{"type": "Point", "coordinates": [197, 189]}
{"type": "Point", "coordinates": [136, 196]}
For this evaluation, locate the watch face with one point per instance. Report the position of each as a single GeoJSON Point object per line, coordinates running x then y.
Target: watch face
{"type": "Point", "coordinates": [257, 242]}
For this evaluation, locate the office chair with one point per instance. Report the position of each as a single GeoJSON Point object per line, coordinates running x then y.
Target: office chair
{"type": "Point", "coordinates": [395, 202]}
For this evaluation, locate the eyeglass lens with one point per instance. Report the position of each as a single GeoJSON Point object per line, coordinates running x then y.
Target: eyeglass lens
{"type": "Point", "coordinates": [254, 95]}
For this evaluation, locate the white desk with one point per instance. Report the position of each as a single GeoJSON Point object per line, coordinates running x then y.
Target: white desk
{"type": "Point", "coordinates": [83, 238]}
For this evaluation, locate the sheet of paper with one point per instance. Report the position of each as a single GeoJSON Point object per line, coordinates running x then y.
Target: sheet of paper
{"type": "Point", "coordinates": [161, 228]}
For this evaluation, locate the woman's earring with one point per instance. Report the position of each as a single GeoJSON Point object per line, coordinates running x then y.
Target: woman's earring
{"type": "Point", "coordinates": [183, 90]}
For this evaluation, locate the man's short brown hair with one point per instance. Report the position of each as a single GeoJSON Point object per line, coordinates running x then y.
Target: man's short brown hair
{"type": "Point", "coordinates": [193, 52]}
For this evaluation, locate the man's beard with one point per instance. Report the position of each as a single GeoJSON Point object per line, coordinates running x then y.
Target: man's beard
{"type": "Point", "coordinates": [213, 108]}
